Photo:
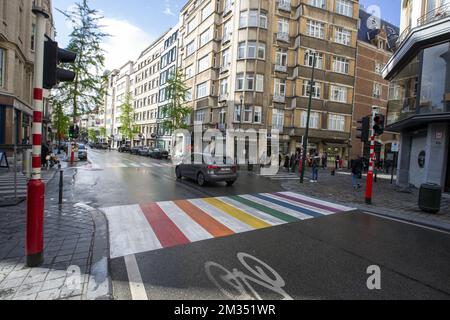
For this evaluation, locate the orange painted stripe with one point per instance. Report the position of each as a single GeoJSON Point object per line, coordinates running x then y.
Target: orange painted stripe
{"type": "Point", "coordinates": [206, 221]}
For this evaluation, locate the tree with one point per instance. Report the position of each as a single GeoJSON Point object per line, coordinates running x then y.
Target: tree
{"type": "Point", "coordinates": [127, 118]}
{"type": "Point", "coordinates": [60, 120]}
{"type": "Point", "coordinates": [92, 135]}
{"type": "Point", "coordinates": [176, 110]}
{"type": "Point", "coordinates": [85, 94]}
{"type": "Point", "coordinates": [102, 132]}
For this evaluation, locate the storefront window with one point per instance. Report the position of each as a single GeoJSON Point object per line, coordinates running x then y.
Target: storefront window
{"type": "Point", "coordinates": [435, 79]}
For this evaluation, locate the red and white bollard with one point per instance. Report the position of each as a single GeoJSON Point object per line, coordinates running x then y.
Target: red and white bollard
{"type": "Point", "coordinates": [36, 189]}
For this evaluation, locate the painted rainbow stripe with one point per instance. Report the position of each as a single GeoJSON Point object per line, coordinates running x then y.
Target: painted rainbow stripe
{"type": "Point", "coordinates": [146, 227]}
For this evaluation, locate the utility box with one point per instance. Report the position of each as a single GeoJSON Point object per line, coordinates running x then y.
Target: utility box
{"type": "Point", "coordinates": [430, 196]}
{"type": "Point", "coordinates": [26, 162]}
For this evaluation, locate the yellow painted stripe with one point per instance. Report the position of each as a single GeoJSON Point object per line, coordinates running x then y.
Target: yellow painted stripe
{"type": "Point", "coordinates": [237, 213]}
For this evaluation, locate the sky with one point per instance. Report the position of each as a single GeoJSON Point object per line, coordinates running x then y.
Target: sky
{"type": "Point", "coordinates": [134, 24]}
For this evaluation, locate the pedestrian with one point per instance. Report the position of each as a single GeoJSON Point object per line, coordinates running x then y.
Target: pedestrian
{"type": "Point", "coordinates": [357, 168]}
{"type": "Point", "coordinates": [315, 167]}
{"type": "Point", "coordinates": [338, 159]}
{"type": "Point", "coordinates": [286, 162]}
{"type": "Point", "coordinates": [292, 162]}
{"type": "Point", "coordinates": [44, 153]}
{"type": "Point", "coordinates": [324, 160]}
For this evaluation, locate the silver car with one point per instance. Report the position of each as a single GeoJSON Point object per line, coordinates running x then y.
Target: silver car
{"type": "Point", "coordinates": [212, 169]}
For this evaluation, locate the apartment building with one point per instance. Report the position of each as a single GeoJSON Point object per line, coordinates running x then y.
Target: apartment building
{"type": "Point", "coordinates": [169, 64]}
{"type": "Point", "coordinates": [17, 43]}
{"type": "Point", "coordinates": [146, 78]}
{"type": "Point", "coordinates": [248, 64]}
{"type": "Point", "coordinates": [375, 47]}
{"type": "Point", "coordinates": [419, 99]}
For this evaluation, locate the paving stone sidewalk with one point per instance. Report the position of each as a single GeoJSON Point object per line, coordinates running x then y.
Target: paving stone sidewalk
{"type": "Point", "coordinates": [389, 200]}
{"type": "Point", "coordinates": [76, 252]}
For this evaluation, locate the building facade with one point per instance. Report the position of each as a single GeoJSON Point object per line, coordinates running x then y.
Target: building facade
{"type": "Point", "coordinates": [419, 99]}
{"type": "Point", "coordinates": [375, 47]}
{"type": "Point", "coordinates": [17, 27]}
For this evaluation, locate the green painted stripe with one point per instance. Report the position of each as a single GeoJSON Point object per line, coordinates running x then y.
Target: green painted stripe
{"type": "Point", "coordinates": [260, 207]}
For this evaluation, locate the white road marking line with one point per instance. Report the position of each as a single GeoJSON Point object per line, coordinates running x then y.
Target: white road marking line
{"type": "Point", "coordinates": [137, 287]}
{"type": "Point", "coordinates": [325, 203]}
{"type": "Point", "coordinates": [298, 204]}
{"type": "Point", "coordinates": [147, 165]}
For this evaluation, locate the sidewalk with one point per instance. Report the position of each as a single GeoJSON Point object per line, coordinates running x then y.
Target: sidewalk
{"type": "Point", "coordinates": [76, 251]}
{"type": "Point", "coordinates": [388, 200]}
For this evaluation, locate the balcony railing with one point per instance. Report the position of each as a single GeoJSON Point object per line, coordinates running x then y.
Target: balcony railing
{"type": "Point", "coordinates": [227, 10]}
{"type": "Point", "coordinates": [280, 68]}
{"type": "Point", "coordinates": [283, 36]}
{"type": "Point", "coordinates": [223, 97]}
{"type": "Point", "coordinates": [284, 5]}
{"type": "Point", "coordinates": [436, 14]}
{"type": "Point", "coordinates": [279, 98]}
{"type": "Point", "coordinates": [225, 68]}
{"type": "Point", "coordinates": [226, 38]}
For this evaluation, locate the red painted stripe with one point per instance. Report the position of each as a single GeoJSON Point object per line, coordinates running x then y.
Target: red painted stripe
{"type": "Point", "coordinates": [36, 162]}
{"type": "Point", "coordinates": [37, 116]}
{"type": "Point", "coordinates": [37, 139]}
{"type": "Point", "coordinates": [166, 231]}
{"type": "Point", "coordinates": [309, 203]}
{"type": "Point", "coordinates": [38, 94]}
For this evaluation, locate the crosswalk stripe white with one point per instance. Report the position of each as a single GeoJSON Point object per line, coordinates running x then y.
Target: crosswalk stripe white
{"type": "Point", "coordinates": [326, 203]}
{"type": "Point", "coordinates": [190, 228]}
{"type": "Point", "coordinates": [298, 204]}
{"type": "Point", "coordinates": [130, 231]}
{"type": "Point", "coordinates": [137, 287]}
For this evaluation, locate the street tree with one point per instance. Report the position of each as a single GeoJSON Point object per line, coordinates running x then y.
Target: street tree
{"type": "Point", "coordinates": [92, 135]}
{"type": "Point", "coordinates": [102, 132]}
{"type": "Point", "coordinates": [176, 110]}
{"type": "Point", "coordinates": [61, 121]}
{"type": "Point", "coordinates": [85, 94]}
{"type": "Point", "coordinates": [127, 118]}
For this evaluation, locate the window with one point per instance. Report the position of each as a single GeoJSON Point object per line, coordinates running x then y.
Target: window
{"type": "Point", "coordinates": [227, 30]}
{"type": "Point", "coordinates": [237, 113]}
{"type": "Point", "coordinates": [251, 50]}
{"type": "Point", "coordinates": [307, 88]}
{"type": "Point", "coordinates": [260, 83]}
{"type": "Point", "coordinates": [190, 48]}
{"type": "Point", "coordinates": [313, 120]}
{"type": "Point", "coordinates": [189, 72]}
{"type": "Point", "coordinates": [281, 57]}
{"type": "Point", "coordinates": [257, 115]}
{"type": "Point", "coordinates": [379, 68]}
{"type": "Point", "coordinates": [344, 7]}
{"type": "Point", "coordinates": [250, 82]}
{"type": "Point", "coordinates": [222, 116]}
{"type": "Point", "coordinates": [206, 11]}
{"type": "Point", "coordinates": [191, 25]}
{"type": "Point", "coordinates": [202, 90]}
{"type": "Point", "coordinates": [203, 64]}
{"type": "Point", "coordinates": [252, 18]}
{"type": "Point", "coordinates": [377, 90]}
{"type": "Point", "coordinates": [241, 50]}
{"type": "Point", "coordinates": [336, 122]}
{"type": "Point", "coordinates": [263, 20]}
{"type": "Point", "coordinates": [224, 87]}
{"type": "Point", "coordinates": [341, 65]}
{"type": "Point", "coordinates": [309, 59]}
{"type": "Point", "coordinates": [243, 19]}
{"type": "Point", "coordinates": [315, 29]}
{"type": "Point", "coordinates": [278, 119]}
{"type": "Point", "coordinates": [33, 35]}
{"type": "Point", "coordinates": [343, 36]}
{"type": "Point", "coordinates": [200, 116]}
{"type": "Point", "coordinates": [226, 58]}
{"type": "Point", "coordinates": [262, 51]}
{"type": "Point", "coordinates": [318, 3]}
{"type": "Point", "coordinates": [205, 37]}
{"type": "Point", "coordinates": [240, 81]}
{"type": "Point", "coordinates": [280, 87]}
{"type": "Point", "coordinates": [338, 94]}
{"type": "Point", "coordinates": [248, 112]}
{"type": "Point", "coordinates": [283, 26]}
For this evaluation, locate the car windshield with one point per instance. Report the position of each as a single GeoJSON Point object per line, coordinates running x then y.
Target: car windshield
{"type": "Point", "coordinates": [81, 147]}
{"type": "Point", "coordinates": [217, 160]}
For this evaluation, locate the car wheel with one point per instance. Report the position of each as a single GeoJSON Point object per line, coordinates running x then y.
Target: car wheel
{"type": "Point", "coordinates": [201, 179]}
{"type": "Point", "coordinates": [178, 173]}
{"type": "Point", "coordinates": [230, 183]}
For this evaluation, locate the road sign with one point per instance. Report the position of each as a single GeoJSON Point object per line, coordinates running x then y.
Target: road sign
{"type": "Point", "coordinates": [395, 147]}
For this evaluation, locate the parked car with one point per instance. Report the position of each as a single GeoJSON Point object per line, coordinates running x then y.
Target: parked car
{"type": "Point", "coordinates": [82, 152]}
{"type": "Point", "coordinates": [212, 169]}
{"type": "Point", "coordinates": [124, 148]}
{"type": "Point", "coordinates": [135, 150]}
{"type": "Point", "coordinates": [145, 151]}
{"type": "Point", "coordinates": [159, 154]}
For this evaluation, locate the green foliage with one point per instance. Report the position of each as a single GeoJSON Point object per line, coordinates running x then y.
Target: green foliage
{"type": "Point", "coordinates": [92, 135]}
{"type": "Point", "coordinates": [61, 121]}
{"type": "Point", "coordinates": [86, 94]}
{"type": "Point", "coordinates": [176, 110]}
{"type": "Point", "coordinates": [127, 118]}
{"type": "Point", "coordinates": [102, 132]}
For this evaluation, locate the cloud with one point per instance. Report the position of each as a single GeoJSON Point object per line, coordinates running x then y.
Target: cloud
{"type": "Point", "coordinates": [168, 11]}
{"type": "Point", "coordinates": [125, 43]}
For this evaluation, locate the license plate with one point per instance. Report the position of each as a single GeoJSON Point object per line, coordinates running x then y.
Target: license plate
{"type": "Point", "coordinates": [225, 170]}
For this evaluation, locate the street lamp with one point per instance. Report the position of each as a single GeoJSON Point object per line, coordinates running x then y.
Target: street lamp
{"type": "Point", "coordinates": [306, 137]}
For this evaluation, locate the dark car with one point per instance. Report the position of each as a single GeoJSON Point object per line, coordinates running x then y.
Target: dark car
{"type": "Point", "coordinates": [124, 148]}
{"type": "Point", "coordinates": [135, 150]}
{"type": "Point", "coordinates": [159, 154]}
{"type": "Point", "coordinates": [145, 151]}
{"type": "Point", "coordinates": [212, 169]}
{"type": "Point", "coordinates": [82, 152]}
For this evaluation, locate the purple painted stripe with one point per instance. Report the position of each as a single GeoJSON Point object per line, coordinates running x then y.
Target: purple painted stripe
{"type": "Point", "coordinates": [310, 203]}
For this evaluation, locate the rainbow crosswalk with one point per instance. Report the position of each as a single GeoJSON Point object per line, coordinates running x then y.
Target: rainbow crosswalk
{"type": "Point", "coordinates": [146, 227]}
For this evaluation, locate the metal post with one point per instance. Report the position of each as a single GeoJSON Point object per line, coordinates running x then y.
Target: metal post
{"type": "Point", "coordinates": [15, 172]}
{"type": "Point", "coordinates": [36, 189]}
{"type": "Point", "coordinates": [306, 137]}
{"type": "Point", "coordinates": [369, 184]}
{"type": "Point", "coordinates": [61, 184]}
{"type": "Point", "coordinates": [393, 167]}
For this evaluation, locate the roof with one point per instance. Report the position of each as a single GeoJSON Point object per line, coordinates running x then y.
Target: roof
{"type": "Point", "coordinates": [367, 34]}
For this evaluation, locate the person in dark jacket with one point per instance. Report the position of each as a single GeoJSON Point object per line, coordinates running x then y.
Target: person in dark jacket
{"type": "Point", "coordinates": [357, 168]}
{"type": "Point", "coordinates": [315, 167]}
{"type": "Point", "coordinates": [45, 151]}
{"type": "Point", "coordinates": [292, 162]}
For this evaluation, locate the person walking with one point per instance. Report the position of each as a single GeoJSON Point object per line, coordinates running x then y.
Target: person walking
{"type": "Point", "coordinates": [357, 168]}
{"type": "Point", "coordinates": [292, 163]}
{"type": "Point", "coordinates": [315, 167]}
{"type": "Point", "coordinates": [324, 160]}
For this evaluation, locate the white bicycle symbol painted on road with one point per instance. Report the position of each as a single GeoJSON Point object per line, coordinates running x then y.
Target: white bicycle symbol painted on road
{"type": "Point", "coordinates": [237, 285]}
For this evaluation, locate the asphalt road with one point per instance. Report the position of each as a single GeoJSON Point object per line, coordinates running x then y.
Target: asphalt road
{"type": "Point", "coordinates": [325, 257]}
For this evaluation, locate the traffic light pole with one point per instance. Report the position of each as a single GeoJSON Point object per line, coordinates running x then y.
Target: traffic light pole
{"type": "Point", "coordinates": [369, 183]}
{"type": "Point", "coordinates": [34, 249]}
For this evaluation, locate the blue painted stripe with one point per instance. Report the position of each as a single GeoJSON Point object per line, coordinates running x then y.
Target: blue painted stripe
{"type": "Point", "coordinates": [290, 206]}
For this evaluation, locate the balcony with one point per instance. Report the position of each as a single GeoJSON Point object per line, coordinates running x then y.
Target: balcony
{"type": "Point", "coordinates": [227, 10]}
{"type": "Point", "coordinates": [222, 126]}
{"type": "Point", "coordinates": [280, 68]}
{"type": "Point", "coordinates": [223, 97]}
{"type": "Point", "coordinates": [283, 36]}
{"type": "Point", "coordinates": [279, 98]}
{"type": "Point", "coordinates": [225, 68]}
{"type": "Point", "coordinates": [284, 5]}
{"type": "Point", "coordinates": [226, 38]}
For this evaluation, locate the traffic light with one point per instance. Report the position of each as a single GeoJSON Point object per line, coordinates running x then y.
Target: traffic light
{"type": "Point", "coordinates": [74, 131]}
{"type": "Point", "coordinates": [378, 126]}
{"type": "Point", "coordinates": [53, 56]}
{"type": "Point", "coordinates": [363, 129]}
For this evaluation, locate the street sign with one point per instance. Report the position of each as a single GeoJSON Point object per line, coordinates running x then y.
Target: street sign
{"type": "Point", "coordinates": [395, 147]}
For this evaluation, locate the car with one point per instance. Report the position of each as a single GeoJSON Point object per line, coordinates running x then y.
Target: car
{"type": "Point", "coordinates": [159, 154]}
{"type": "Point", "coordinates": [135, 150]}
{"type": "Point", "coordinates": [212, 169]}
{"type": "Point", "coordinates": [124, 148]}
{"type": "Point", "coordinates": [145, 151]}
{"type": "Point", "coordinates": [82, 152]}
